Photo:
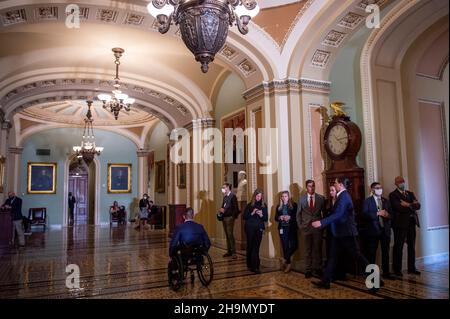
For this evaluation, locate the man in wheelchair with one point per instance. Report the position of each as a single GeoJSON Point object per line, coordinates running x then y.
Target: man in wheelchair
{"type": "Point", "coordinates": [188, 235]}
{"type": "Point", "coordinates": [189, 247]}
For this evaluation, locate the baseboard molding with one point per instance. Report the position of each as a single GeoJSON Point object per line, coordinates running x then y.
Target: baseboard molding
{"type": "Point", "coordinates": [432, 259]}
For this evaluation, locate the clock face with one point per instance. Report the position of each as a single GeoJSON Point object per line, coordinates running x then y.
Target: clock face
{"type": "Point", "coordinates": [338, 140]}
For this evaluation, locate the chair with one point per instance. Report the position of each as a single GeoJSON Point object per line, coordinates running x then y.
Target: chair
{"type": "Point", "coordinates": [38, 216]}
{"type": "Point", "coordinates": [115, 218]}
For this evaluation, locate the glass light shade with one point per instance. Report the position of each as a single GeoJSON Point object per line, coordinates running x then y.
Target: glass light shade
{"type": "Point", "coordinates": [104, 97]}
{"type": "Point", "coordinates": [243, 11]}
{"type": "Point", "coordinates": [166, 10]}
{"type": "Point", "coordinates": [76, 148]}
{"type": "Point", "coordinates": [121, 96]}
{"type": "Point", "coordinates": [129, 100]}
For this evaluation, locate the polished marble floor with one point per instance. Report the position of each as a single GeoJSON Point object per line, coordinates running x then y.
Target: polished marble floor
{"type": "Point", "coordinates": [120, 262]}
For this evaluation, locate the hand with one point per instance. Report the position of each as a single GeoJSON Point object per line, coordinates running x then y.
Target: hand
{"type": "Point", "coordinates": [255, 211]}
{"type": "Point", "coordinates": [287, 218]}
{"type": "Point", "coordinates": [260, 213]}
{"type": "Point", "coordinates": [316, 224]}
{"type": "Point", "coordinates": [404, 204]}
{"type": "Point", "coordinates": [221, 210]}
{"type": "Point", "coordinates": [382, 213]}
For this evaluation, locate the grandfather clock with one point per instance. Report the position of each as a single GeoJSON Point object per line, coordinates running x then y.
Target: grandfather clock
{"type": "Point", "coordinates": [342, 141]}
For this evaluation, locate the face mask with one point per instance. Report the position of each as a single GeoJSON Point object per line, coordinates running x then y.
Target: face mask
{"type": "Point", "coordinates": [224, 190]}
{"type": "Point", "coordinates": [378, 192]}
{"type": "Point", "coordinates": [402, 186]}
{"type": "Point", "coordinates": [145, 197]}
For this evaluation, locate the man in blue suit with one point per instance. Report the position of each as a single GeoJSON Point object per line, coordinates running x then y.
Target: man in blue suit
{"type": "Point", "coordinates": [189, 233]}
{"type": "Point", "coordinates": [377, 210]}
{"type": "Point", "coordinates": [343, 228]}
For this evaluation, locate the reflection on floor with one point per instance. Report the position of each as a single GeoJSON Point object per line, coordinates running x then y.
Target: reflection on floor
{"type": "Point", "coordinates": [120, 262]}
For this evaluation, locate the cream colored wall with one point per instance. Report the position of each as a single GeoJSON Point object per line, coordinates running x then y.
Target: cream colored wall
{"type": "Point", "coordinates": [431, 240]}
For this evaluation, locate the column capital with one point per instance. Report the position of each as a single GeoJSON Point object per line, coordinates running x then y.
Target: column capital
{"type": "Point", "coordinates": [200, 123]}
{"type": "Point", "coordinates": [285, 86]}
{"type": "Point", "coordinates": [143, 152]}
{"type": "Point", "coordinates": [15, 150]}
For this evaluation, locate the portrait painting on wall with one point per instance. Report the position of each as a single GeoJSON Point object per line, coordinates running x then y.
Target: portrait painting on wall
{"type": "Point", "coordinates": [160, 177]}
{"type": "Point", "coordinates": [2, 172]}
{"type": "Point", "coordinates": [41, 178]}
{"type": "Point", "coordinates": [119, 178]}
{"type": "Point", "coordinates": [181, 175]}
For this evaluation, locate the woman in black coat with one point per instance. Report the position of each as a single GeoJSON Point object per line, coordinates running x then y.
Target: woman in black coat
{"type": "Point", "coordinates": [255, 215]}
{"type": "Point", "coordinates": [286, 213]}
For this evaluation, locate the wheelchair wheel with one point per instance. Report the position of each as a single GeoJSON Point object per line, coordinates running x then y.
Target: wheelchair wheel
{"type": "Point", "coordinates": [175, 273]}
{"type": "Point", "coordinates": [205, 269]}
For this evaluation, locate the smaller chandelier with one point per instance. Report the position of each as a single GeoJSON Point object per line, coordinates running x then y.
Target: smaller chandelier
{"type": "Point", "coordinates": [88, 150]}
{"type": "Point", "coordinates": [118, 100]}
{"type": "Point", "coordinates": [203, 23]}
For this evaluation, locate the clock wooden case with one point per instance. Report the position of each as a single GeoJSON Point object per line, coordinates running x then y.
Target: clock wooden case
{"type": "Point", "coordinates": [342, 141]}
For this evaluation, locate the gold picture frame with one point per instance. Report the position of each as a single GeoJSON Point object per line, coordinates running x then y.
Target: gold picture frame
{"type": "Point", "coordinates": [160, 177]}
{"type": "Point", "coordinates": [2, 172]}
{"type": "Point", "coordinates": [119, 178]}
{"type": "Point", "coordinates": [181, 175]}
{"type": "Point", "coordinates": [41, 178]}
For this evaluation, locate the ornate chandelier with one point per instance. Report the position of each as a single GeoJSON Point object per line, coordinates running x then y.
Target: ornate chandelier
{"type": "Point", "coordinates": [88, 150]}
{"type": "Point", "coordinates": [203, 23]}
{"type": "Point", "coordinates": [118, 100]}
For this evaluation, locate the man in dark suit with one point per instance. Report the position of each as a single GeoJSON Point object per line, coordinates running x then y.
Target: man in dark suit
{"type": "Point", "coordinates": [377, 210]}
{"type": "Point", "coordinates": [15, 204]}
{"type": "Point", "coordinates": [229, 212]}
{"type": "Point", "coordinates": [311, 207]}
{"type": "Point", "coordinates": [189, 233]}
{"type": "Point", "coordinates": [343, 228]}
{"type": "Point", "coordinates": [404, 206]}
{"type": "Point", "coordinates": [72, 202]}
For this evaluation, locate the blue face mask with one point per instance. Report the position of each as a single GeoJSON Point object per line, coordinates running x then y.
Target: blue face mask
{"type": "Point", "coordinates": [402, 186]}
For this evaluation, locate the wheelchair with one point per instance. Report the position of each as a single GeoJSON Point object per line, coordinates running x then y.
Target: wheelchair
{"type": "Point", "coordinates": [188, 260]}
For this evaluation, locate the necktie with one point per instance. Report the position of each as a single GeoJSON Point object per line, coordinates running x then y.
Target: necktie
{"type": "Point", "coordinates": [380, 207]}
{"type": "Point", "coordinates": [311, 203]}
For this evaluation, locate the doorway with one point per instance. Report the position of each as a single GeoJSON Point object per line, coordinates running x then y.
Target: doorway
{"type": "Point", "coordinates": [81, 185]}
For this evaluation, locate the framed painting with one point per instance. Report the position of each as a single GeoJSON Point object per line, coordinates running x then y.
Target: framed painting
{"type": "Point", "coordinates": [181, 175]}
{"type": "Point", "coordinates": [160, 177]}
{"type": "Point", "coordinates": [2, 172]}
{"type": "Point", "coordinates": [41, 178]}
{"type": "Point", "coordinates": [119, 178]}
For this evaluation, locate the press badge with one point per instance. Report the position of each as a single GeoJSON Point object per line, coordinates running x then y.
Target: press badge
{"type": "Point", "coordinates": [281, 231]}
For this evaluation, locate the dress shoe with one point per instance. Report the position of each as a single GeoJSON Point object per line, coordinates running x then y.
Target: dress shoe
{"type": "Point", "coordinates": [398, 274]}
{"type": "Point", "coordinates": [227, 255]}
{"type": "Point", "coordinates": [414, 272]}
{"type": "Point", "coordinates": [321, 285]}
{"type": "Point", "coordinates": [256, 271]}
{"type": "Point", "coordinates": [308, 275]}
{"type": "Point", "coordinates": [288, 268]}
{"type": "Point", "coordinates": [388, 276]}
{"type": "Point", "coordinates": [318, 273]}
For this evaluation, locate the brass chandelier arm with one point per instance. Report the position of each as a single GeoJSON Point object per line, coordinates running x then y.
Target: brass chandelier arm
{"type": "Point", "coordinates": [242, 23]}
{"type": "Point", "coordinates": [164, 23]}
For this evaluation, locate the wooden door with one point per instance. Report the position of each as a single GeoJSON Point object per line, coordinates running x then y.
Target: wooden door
{"type": "Point", "coordinates": [78, 185]}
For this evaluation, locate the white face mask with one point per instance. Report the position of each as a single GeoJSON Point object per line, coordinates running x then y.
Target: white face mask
{"type": "Point", "coordinates": [224, 190]}
{"type": "Point", "coordinates": [378, 192]}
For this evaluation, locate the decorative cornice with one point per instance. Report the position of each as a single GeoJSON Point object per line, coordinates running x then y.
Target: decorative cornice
{"type": "Point", "coordinates": [200, 123]}
{"type": "Point", "coordinates": [287, 85]}
{"type": "Point", "coordinates": [15, 150]}
{"type": "Point", "coordinates": [143, 152]}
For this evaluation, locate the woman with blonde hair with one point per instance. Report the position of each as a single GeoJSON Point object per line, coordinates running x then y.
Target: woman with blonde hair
{"type": "Point", "coordinates": [287, 227]}
{"type": "Point", "coordinates": [255, 216]}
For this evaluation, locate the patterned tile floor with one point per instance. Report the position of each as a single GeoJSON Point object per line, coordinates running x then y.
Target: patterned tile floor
{"type": "Point", "coordinates": [120, 262]}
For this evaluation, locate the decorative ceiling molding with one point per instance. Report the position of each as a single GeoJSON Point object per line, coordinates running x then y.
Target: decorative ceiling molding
{"type": "Point", "coordinates": [82, 89]}
{"type": "Point", "coordinates": [38, 13]}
